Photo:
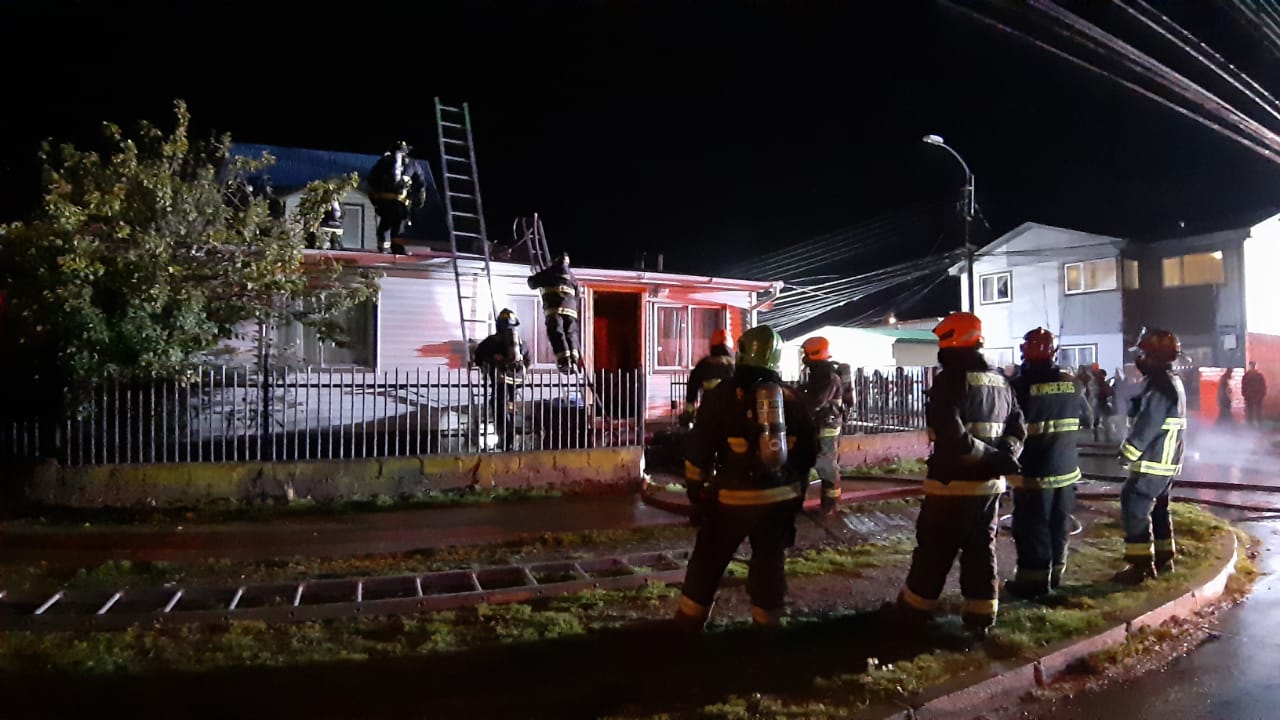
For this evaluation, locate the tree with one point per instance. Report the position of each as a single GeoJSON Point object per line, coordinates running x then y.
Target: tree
{"type": "Point", "coordinates": [140, 262]}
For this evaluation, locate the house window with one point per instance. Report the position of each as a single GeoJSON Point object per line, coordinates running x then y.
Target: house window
{"type": "Point", "coordinates": [684, 334]}
{"type": "Point", "coordinates": [1073, 357]}
{"type": "Point", "coordinates": [1131, 275]}
{"type": "Point", "coordinates": [996, 288]}
{"type": "Point", "coordinates": [998, 357]}
{"type": "Point", "coordinates": [531, 332]}
{"type": "Point", "coordinates": [702, 323]}
{"type": "Point", "coordinates": [673, 337]}
{"type": "Point", "coordinates": [1090, 276]}
{"type": "Point", "coordinates": [356, 351]}
{"type": "Point", "coordinates": [353, 226]}
{"type": "Point", "coordinates": [1194, 269]}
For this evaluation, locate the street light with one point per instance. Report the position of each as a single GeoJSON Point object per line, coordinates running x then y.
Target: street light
{"type": "Point", "coordinates": [968, 206]}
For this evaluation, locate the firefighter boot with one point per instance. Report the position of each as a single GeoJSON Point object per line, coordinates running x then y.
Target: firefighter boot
{"type": "Point", "coordinates": [1055, 576]}
{"type": "Point", "coordinates": [766, 619]}
{"type": "Point", "coordinates": [1025, 589]}
{"type": "Point", "coordinates": [1164, 563]}
{"type": "Point", "coordinates": [691, 617]}
{"type": "Point", "coordinates": [978, 626]}
{"type": "Point", "coordinates": [1135, 573]}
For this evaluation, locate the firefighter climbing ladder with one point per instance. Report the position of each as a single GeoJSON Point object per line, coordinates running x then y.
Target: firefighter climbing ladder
{"type": "Point", "coordinates": [463, 210]}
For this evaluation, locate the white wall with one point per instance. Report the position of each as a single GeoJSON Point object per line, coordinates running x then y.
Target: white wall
{"type": "Point", "coordinates": [853, 346]}
{"type": "Point", "coordinates": [1261, 286]}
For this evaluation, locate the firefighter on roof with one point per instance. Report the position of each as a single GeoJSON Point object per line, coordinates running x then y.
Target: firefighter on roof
{"type": "Point", "coordinates": [747, 466]}
{"type": "Point", "coordinates": [827, 394]}
{"type": "Point", "coordinates": [559, 289]}
{"type": "Point", "coordinates": [1153, 455]}
{"type": "Point", "coordinates": [708, 373]}
{"type": "Point", "coordinates": [977, 432]}
{"type": "Point", "coordinates": [1044, 494]}
{"type": "Point", "coordinates": [396, 186]}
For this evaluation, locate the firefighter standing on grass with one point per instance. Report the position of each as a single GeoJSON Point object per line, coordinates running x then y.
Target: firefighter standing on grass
{"type": "Point", "coordinates": [1153, 455]}
{"type": "Point", "coordinates": [977, 432]}
{"type": "Point", "coordinates": [1044, 494]}
{"type": "Point", "coordinates": [824, 396]}
{"type": "Point", "coordinates": [747, 466]}
{"type": "Point", "coordinates": [709, 372]}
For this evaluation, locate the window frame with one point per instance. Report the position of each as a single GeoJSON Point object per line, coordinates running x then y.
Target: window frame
{"type": "Point", "coordinates": [1093, 347]}
{"type": "Point", "coordinates": [995, 301]}
{"type": "Point", "coordinates": [1182, 270]}
{"type": "Point", "coordinates": [687, 339]}
{"type": "Point", "coordinates": [1084, 289]}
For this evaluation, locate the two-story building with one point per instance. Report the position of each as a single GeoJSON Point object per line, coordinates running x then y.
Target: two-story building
{"type": "Point", "coordinates": [1097, 293]}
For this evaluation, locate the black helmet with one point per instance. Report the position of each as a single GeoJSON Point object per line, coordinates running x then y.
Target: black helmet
{"type": "Point", "coordinates": [400, 146]}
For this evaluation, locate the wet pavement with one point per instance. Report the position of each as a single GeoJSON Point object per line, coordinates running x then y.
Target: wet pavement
{"type": "Point", "coordinates": [1233, 677]}
{"type": "Point", "coordinates": [357, 533]}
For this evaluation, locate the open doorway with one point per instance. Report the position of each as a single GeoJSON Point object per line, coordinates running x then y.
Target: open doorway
{"type": "Point", "coordinates": [617, 330]}
{"type": "Point", "coordinates": [618, 352]}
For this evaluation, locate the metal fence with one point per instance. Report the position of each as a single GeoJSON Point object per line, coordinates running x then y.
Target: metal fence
{"type": "Point", "coordinates": [890, 400]}
{"type": "Point", "coordinates": [235, 414]}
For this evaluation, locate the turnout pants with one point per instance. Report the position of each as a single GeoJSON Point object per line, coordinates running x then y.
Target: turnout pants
{"type": "Point", "coordinates": [1041, 527]}
{"type": "Point", "coordinates": [947, 525]}
{"type": "Point", "coordinates": [392, 218]}
{"type": "Point", "coordinates": [501, 402]}
{"type": "Point", "coordinates": [562, 334]}
{"type": "Point", "coordinates": [771, 529]}
{"type": "Point", "coordinates": [1148, 530]}
{"type": "Point", "coordinates": [828, 465]}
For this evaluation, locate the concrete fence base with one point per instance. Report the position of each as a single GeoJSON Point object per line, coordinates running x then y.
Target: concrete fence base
{"type": "Point", "coordinates": [194, 484]}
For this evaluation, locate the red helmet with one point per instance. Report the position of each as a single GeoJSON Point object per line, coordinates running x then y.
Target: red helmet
{"type": "Point", "coordinates": [720, 337]}
{"type": "Point", "coordinates": [1039, 344]}
{"type": "Point", "coordinates": [1159, 345]}
{"type": "Point", "coordinates": [816, 349]}
{"type": "Point", "coordinates": [959, 330]}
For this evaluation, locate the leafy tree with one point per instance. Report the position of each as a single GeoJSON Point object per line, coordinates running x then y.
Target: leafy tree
{"type": "Point", "coordinates": [141, 261]}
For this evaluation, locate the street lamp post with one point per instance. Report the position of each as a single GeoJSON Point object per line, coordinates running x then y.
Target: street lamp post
{"type": "Point", "coordinates": [968, 209]}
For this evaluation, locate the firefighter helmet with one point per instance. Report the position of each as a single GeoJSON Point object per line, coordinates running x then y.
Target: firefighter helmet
{"type": "Point", "coordinates": [1159, 345]}
{"type": "Point", "coordinates": [816, 349]}
{"type": "Point", "coordinates": [1039, 344]}
{"type": "Point", "coordinates": [720, 337]}
{"type": "Point", "coordinates": [760, 347]}
{"type": "Point", "coordinates": [959, 330]}
{"type": "Point", "coordinates": [400, 146]}
{"type": "Point", "coordinates": [508, 318]}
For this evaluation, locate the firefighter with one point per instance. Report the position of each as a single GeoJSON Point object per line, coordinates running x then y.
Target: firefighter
{"type": "Point", "coordinates": [824, 396]}
{"type": "Point", "coordinates": [1055, 408]}
{"type": "Point", "coordinates": [559, 290]}
{"type": "Point", "coordinates": [1153, 455]}
{"type": "Point", "coordinates": [503, 358]}
{"type": "Point", "coordinates": [977, 432]}
{"type": "Point", "coordinates": [396, 186]}
{"type": "Point", "coordinates": [708, 373]}
{"type": "Point", "coordinates": [747, 465]}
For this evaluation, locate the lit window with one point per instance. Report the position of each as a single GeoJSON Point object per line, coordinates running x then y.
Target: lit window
{"type": "Point", "coordinates": [673, 337]}
{"type": "Point", "coordinates": [1195, 269]}
{"type": "Point", "coordinates": [998, 357]}
{"type": "Point", "coordinates": [1131, 281]}
{"type": "Point", "coordinates": [996, 288]}
{"type": "Point", "coordinates": [1090, 276]}
{"type": "Point", "coordinates": [702, 323]}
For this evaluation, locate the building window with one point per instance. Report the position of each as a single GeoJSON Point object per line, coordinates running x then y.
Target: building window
{"type": "Point", "coordinates": [353, 226]}
{"type": "Point", "coordinates": [1090, 276]}
{"type": "Point", "coordinates": [673, 337]}
{"type": "Point", "coordinates": [998, 357]}
{"type": "Point", "coordinates": [1131, 281]}
{"type": "Point", "coordinates": [357, 350]}
{"type": "Point", "coordinates": [1194, 269]}
{"type": "Point", "coordinates": [531, 332]}
{"type": "Point", "coordinates": [996, 288]}
{"type": "Point", "coordinates": [684, 334]}
{"type": "Point", "coordinates": [1074, 357]}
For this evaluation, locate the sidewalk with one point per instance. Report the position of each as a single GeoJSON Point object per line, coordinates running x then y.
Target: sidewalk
{"type": "Point", "coordinates": [356, 533]}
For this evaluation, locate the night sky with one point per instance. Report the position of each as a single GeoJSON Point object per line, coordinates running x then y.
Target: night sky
{"type": "Point", "coordinates": [709, 132]}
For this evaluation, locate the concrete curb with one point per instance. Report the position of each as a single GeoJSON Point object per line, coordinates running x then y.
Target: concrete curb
{"type": "Point", "coordinates": [962, 704]}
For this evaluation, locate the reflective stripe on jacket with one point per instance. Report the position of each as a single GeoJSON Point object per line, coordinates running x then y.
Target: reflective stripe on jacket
{"type": "Point", "coordinates": [1156, 439]}
{"type": "Point", "coordinates": [1055, 407]}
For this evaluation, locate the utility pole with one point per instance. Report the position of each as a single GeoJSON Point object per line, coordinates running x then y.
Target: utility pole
{"type": "Point", "coordinates": [969, 211]}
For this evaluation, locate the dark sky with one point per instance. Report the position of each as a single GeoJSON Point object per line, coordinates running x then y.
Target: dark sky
{"type": "Point", "coordinates": [710, 132]}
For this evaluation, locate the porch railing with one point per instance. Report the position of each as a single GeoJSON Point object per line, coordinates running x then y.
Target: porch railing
{"type": "Point", "coordinates": [236, 414]}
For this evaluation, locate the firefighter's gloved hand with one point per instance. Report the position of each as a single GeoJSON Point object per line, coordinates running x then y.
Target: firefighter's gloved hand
{"type": "Point", "coordinates": [1124, 462]}
{"type": "Point", "coordinates": [701, 501]}
{"type": "Point", "coordinates": [1007, 464]}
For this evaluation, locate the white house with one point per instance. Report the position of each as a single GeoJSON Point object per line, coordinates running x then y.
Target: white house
{"type": "Point", "coordinates": [1067, 281]}
{"type": "Point", "coordinates": [868, 348]}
